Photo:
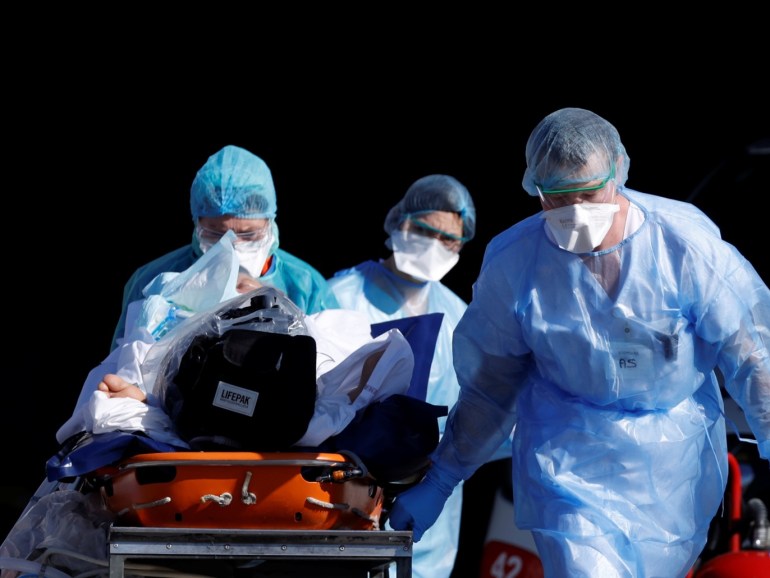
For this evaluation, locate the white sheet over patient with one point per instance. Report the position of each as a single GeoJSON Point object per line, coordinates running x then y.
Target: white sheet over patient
{"type": "Point", "coordinates": [352, 368]}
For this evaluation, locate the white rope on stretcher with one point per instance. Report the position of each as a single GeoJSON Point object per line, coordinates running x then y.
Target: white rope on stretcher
{"type": "Point", "coordinates": [153, 504]}
{"type": "Point", "coordinates": [330, 506]}
{"type": "Point", "coordinates": [223, 500]}
{"type": "Point", "coordinates": [327, 505]}
{"type": "Point", "coordinates": [247, 497]}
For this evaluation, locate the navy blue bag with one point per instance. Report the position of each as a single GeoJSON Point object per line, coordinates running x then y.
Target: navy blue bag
{"type": "Point", "coordinates": [393, 437]}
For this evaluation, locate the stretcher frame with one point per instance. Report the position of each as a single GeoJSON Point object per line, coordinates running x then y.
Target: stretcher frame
{"type": "Point", "coordinates": [339, 548]}
{"type": "Point", "coordinates": [379, 549]}
{"type": "Point", "coordinates": [284, 551]}
{"type": "Point", "coordinates": [241, 490]}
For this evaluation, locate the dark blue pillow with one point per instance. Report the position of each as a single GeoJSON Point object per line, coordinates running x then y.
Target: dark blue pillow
{"type": "Point", "coordinates": [421, 331]}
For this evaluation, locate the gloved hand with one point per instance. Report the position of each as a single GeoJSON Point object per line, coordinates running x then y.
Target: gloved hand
{"type": "Point", "coordinates": [418, 508]}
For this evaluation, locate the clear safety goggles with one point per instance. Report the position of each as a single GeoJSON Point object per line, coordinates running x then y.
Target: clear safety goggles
{"type": "Point", "coordinates": [210, 237]}
{"type": "Point", "coordinates": [598, 193]}
{"type": "Point", "coordinates": [452, 242]}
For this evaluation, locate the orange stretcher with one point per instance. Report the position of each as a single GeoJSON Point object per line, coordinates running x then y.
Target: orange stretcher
{"type": "Point", "coordinates": [242, 490]}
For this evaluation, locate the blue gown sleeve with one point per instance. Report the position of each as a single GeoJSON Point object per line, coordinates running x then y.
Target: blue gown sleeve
{"type": "Point", "coordinates": [492, 365]}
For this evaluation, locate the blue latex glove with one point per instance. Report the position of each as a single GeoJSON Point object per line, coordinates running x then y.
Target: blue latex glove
{"type": "Point", "coordinates": [418, 508]}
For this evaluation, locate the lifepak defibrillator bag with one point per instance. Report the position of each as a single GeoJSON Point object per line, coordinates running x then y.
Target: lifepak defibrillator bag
{"type": "Point", "coordinates": [249, 384]}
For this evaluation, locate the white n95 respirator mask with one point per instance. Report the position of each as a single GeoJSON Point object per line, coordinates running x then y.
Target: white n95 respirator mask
{"type": "Point", "coordinates": [422, 257]}
{"type": "Point", "coordinates": [253, 254]}
{"type": "Point", "coordinates": [580, 227]}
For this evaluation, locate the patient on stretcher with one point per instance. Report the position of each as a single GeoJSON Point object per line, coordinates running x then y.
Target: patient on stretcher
{"type": "Point", "coordinates": [133, 389]}
{"type": "Point", "coordinates": [349, 378]}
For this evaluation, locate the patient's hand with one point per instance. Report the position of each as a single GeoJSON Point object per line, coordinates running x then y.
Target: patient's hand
{"type": "Point", "coordinates": [115, 386]}
{"type": "Point", "coordinates": [246, 283]}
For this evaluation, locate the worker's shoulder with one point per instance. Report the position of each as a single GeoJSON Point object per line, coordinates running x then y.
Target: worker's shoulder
{"type": "Point", "coordinates": [355, 272]}
{"type": "Point", "coordinates": [521, 237]}
{"type": "Point", "coordinates": [289, 261]}
{"type": "Point", "coordinates": [674, 214]}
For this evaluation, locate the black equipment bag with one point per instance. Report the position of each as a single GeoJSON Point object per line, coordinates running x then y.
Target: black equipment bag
{"type": "Point", "coordinates": [246, 390]}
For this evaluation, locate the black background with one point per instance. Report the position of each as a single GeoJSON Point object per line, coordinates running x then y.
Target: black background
{"type": "Point", "coordinates": [102, 144]}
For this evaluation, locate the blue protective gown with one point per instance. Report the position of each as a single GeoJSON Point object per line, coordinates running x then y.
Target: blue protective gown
{"type": "Point", "coordinates": [619, 458]}
{"type": "Point", "coordinates": [373, 289]}
{"type": "Point", "coordinates": [302, 283]}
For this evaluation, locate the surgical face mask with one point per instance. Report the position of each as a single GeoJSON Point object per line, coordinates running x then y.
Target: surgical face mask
{"type": "Point", "coordinates": [422, 257]}
{"type": "Point", "coordinates": [580, 227]}
{"type": "Point", "coordinates": [253, 254]}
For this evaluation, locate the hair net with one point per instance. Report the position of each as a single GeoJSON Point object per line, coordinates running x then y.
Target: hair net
{"type": "Point", "coordinates": [233, 182]}
{"type": "Point", "coordinates": [572, 146]}
{"type": "Point", "coordinates": [434, 193]}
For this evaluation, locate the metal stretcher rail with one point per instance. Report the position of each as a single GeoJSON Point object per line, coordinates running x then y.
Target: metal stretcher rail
{"type": "Point", "coordinates": [229, 461]}
{"type": "Point", "coordinates": [286, 553]}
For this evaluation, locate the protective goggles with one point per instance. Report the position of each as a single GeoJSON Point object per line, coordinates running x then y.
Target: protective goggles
{"type": "Point", "coordinates": [601, 185]}
{"type": "Point", "coordinates": [210, 236]}
{"type": "Point", "coordinates": [450, 241]}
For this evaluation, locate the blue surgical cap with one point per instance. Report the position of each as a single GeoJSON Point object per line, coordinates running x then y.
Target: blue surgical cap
{"type": "Point", "coordinates": [233, 182]}
{"type": "Point", "coordinates": [434, 193]}
{"type": "Point", "coordinates": [570, 147]}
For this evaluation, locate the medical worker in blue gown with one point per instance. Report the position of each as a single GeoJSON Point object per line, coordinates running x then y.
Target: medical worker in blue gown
{"type": "Point", "coordinates": [427, 229]}
{"type": "Point", "coordinates": [234, 191]}
{"type": "Point", "coordinates": [595, 328]}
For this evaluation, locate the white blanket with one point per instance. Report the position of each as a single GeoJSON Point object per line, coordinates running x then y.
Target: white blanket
{"type": "Point", "coordinates": [352, 370]}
